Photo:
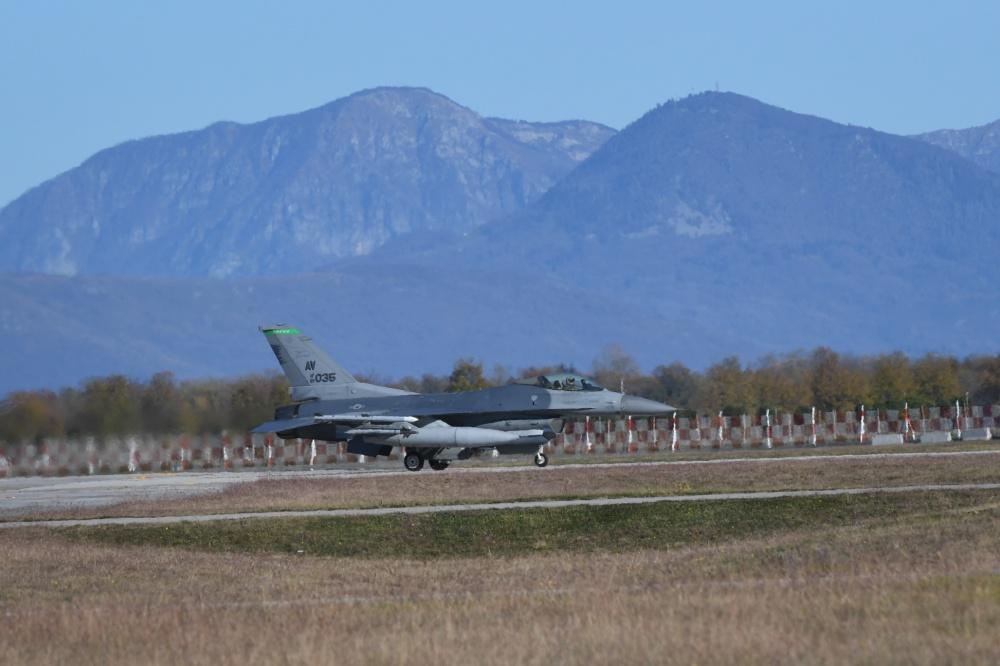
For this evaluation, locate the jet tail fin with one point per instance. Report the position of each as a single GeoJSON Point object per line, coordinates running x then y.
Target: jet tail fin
{"type": "Point", "coordinates": [309, 370]}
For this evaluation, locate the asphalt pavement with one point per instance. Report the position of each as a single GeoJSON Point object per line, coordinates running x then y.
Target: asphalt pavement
{"type": "Point", "coordinates": [492, 506]}
{"type": "Point", "coordinates": [23, 495]}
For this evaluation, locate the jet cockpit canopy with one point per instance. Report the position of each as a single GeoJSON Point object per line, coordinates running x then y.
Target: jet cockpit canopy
{"type": "Point", "coordinates": [563, 381]}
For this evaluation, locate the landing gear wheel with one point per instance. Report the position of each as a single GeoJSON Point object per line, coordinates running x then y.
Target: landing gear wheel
{"type": "Point", "coordinates": [438, 465]}
{"type": "Point", "coordinates": [541, 460]}
{"type": "Point", "coordinates": [413, 462]}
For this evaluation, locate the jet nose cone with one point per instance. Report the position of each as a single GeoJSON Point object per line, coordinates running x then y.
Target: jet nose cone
{"type": "Point", "coordinates": [636, 406]}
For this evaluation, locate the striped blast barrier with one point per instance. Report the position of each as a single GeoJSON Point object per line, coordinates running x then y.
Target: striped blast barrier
{"type": "Point", "coordinates": [576, 437]}
{"type": "Point", "coordinates": [146, 453]}
{"type": "Point", "coordinates": [690, 433]}
{"type": "Point", "coordinates": [567, 439]}
{"type": "Point", "coordinates": [718, 431]}
{"type": "Point", "coordinates": [564, 440]}
{"type": "Point", "coordinates": [609, 436]}
{"type": "Point", "coordinates": [783, 431]}
{"type": "Point", "coordinates": [706, 430]}
{"type": "Point", "coordinates": [621, 429]}
{"type": "Point", "coordinates": [652, 435]}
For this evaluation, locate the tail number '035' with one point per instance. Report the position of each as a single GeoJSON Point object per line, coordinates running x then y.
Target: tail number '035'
{"type": "Point", "coordinates": [322, 377]}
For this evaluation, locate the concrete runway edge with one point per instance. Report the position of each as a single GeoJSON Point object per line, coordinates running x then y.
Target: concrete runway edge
{"type": "Point", "coordinates": [493, 506]}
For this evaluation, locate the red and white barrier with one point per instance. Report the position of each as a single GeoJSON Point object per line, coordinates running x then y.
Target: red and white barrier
{"type": "Point", "coordinates": [812, 428]}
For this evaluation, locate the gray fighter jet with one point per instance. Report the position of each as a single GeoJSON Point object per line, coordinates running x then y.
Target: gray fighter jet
{"type": "Point", "coordinates": [519, 418]}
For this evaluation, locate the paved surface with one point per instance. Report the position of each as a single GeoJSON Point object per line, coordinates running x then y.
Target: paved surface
{"type": "Point", "coordinates": [23, 495]}
{"type": "Point", "coordinates": [445, 508]}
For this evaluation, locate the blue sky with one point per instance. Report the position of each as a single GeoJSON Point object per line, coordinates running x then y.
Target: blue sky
{"type": "Point", "coordinates": [77, 77]}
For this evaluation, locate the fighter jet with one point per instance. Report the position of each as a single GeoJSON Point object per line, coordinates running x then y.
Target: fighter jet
{"type": "Point", "coordinates": [331, 405]}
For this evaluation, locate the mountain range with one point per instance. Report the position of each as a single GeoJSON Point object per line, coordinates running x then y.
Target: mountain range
{"type": "Point", "coordinates": [404, 230]}
{"type": "Point", "coordinates": [979, 144]}
{"type": "Point", "coordinates": [288, 193]}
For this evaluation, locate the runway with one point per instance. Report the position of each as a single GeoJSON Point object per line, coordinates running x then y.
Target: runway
{"type": "Point", "coordinates": [493, 506]}
{"type": "Point", "coordinates": [31, 494]}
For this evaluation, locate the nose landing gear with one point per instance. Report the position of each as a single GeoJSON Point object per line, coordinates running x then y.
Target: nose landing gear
{"type": "Point", "coordinates": [541, 460]}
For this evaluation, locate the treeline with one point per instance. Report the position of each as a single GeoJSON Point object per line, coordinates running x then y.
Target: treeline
{"type": "Point", "coordinates": [797, 381]}
{"type": "Point", "coordinates": [820, 378]}
{"type": "Point", "coordinates": [118, 406]}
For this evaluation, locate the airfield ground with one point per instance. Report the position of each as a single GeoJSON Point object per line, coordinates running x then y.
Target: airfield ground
{"type": "Point", "coordinates": [902, 577]}
{"type": "Point", "coordinates": [220, 492]}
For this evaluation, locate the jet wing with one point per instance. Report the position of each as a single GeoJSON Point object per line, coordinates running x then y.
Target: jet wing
{"type": "Point", "coordinates": [359, 421]}
{"type": "Point", "coordinates": [286, 424]}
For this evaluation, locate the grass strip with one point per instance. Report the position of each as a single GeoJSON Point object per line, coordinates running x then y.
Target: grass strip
{"type": "Point", "coordinates": [507, 533]}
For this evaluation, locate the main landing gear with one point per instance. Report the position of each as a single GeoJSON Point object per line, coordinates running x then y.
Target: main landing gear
{"type": "Point", "coordinates": [413, 462]}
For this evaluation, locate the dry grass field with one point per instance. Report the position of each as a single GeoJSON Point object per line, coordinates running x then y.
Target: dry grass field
{"type": "Point", "coordinates": [907, 578]}
{"type": "Point", "coordinates": [565, 481]}
{"type": "Point", "coordinates": [921, 585]}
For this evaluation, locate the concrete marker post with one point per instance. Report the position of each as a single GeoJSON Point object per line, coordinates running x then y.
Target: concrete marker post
{"type": "Point", "coordinates": [958, 422]}
{"type": "Point", "coordinates": [861, 427]}
{"type": "Point", "coordinates": [630, 427]}
{"type": "Point", "coordinates": [812, 425]}
{"type": "Point", "coordinates": [767, 429]}
{"type": "Point", "coordinates": [91, 448]}
{"type": "Point", "coordinates": [133, 456]}
{"type": "Point", "coordinates": [227, 458]}
{"type": "Point", "coordinates": [673, 432]}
